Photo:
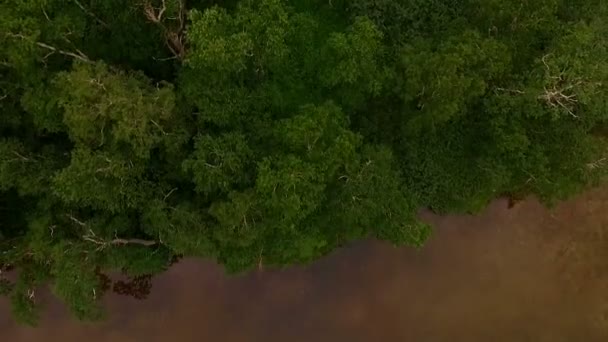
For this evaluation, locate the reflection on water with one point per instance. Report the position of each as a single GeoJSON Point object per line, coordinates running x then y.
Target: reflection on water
{"type": "Point", "coordinates": [521, 274]}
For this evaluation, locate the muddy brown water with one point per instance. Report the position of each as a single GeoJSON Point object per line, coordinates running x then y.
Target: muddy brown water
{"type": "Point", "coordinates": [520, 274]}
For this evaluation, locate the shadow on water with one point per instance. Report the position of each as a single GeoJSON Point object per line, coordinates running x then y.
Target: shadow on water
{"type": "Point", "coordinates": [520, 274]}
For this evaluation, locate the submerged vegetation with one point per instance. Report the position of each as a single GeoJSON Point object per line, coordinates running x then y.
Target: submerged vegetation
{"type": "Point", "coordinates": [270, 132]}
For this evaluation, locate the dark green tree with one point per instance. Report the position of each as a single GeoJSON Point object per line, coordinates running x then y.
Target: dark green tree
{"type": "Point", "coordinates": [271, 132]}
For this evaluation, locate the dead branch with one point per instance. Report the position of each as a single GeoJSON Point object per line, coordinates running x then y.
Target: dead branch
{"type": "Point", "coordinates": [596, 164]}
{"type": "Point", "coordinates": [261, 260]}
{"type": "Point", "coordinates": [133, 241]}
{"type": "Point", "coordinates": [159, 127]}
{"type": "Point", "coordinates": [78, 55]}
{"type": "Point", "coordinates": [515, 91]}
{"type": "Point", "coordinates": [46, 15]}
{"type": "Point", "coordinates": [557, 95]}
{"type": "Point", "coordinates": [103, 137]}
{"type": "Point", "coordinates": [175, 44]}
{"type": "Point", "coordinates": [169, 194]}
{"type": "Point", "coordinates": [173, 37]}
{"type": "Point", "coordinates": [91, 14]}
{"type": "Point", "coordinates": [544, 60]}
{"type": "Point", "coordinates": [164, 59]}
{"type": "Point", "coordinates": [556, 98]}
{"type": "Point", "coordinates": [22, 157]}
{"type": "Point", "coordinates": [102, 243]}
{"type": "Point", "coordinates": [152, 14]}
{"type": "Point", "coordinates": [77, 221]}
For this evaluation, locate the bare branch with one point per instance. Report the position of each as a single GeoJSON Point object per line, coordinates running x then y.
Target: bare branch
{"type": "Point", "coordinates": [173, 37]}
{"type": "Point", "coordinates": [159, 127]}
{"type": "Point", "coordinates": [545, 62]}
{"type": "Point", "coordinates": [596, 164]}
{"type": "Point", "coordinates": [150, 12]}
{"type": "Point", "coordinates": [105, 243]}
{"type": "Point", "coordinates": [77, 221]}
{"type": "Point", "coordinates": [91, 14]}
{"type": "Point", "coordinates": [162, 10]}
{"type": "Point", "coordinates": [164, 59]}
{"type": "Point", "coordinates": [557, 96]}
{"type": "Point", "coordinates": [103, 137]}
{"type": "Point", "coordinates": [102, 243]}
{"type": "Point", "coordinates": [79, 55]}
{"type": "Point", "coordinates": [133, 242]}
{"type": "Point", "coordinates": [515, 91]}
{"type": "Point", "coordinates": [169, 194]}
{"type": "Point", "coordinates": [92, 237]}
{"type": "Point", "coordinates": [47, 56]}
{"type": "Point", "coordinates": [44, 12]}
{"type": "Point", "coordinates": [22, 157]}
{"type": "Point", "coordinates": [261, 260]}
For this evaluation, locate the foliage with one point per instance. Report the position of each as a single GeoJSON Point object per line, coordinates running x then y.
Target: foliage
{"type": "Point", "coordinates": [271, 132]}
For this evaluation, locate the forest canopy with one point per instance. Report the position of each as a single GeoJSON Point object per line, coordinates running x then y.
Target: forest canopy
{"type": "Point", "coordinates": [270, 132]}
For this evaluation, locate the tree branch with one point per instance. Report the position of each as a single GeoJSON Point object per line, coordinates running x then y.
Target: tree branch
{"type": "Point", "coordinates": [169, 194]}
{"type": "Point", "coordinates": [77, 221]}
{"type": "Point", "coordinates": [22, 157]}
{"type": "Point", "coordinates": [159, 127]}
{"type": "Point", "coordinates": [133, 242]}
{"type": "Point", "coordinates": [557, 96]}
{"type": "Point", "coordinates": [103, 243]}
{"type": "Point", "coordinates": [91, 237]}
{"type": "Point", "coordinates": [515, 91]}
{"type": "Point", "coordinates": [174, 36]}
{"type": "Point", "coordinates": [79, 55]}
{"type": "Point", "coordinates": [91, 14]}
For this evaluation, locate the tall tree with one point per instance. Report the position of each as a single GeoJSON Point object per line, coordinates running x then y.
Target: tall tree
{"type": "Point", "coordinates": [271, 132]}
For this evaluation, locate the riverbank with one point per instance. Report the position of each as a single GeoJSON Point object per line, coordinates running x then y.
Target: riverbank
{"type": "Point", "coordinates": [519, 274]}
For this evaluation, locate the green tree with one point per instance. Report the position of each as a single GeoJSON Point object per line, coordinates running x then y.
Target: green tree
{"type": "Point", "coordinates": [271, 132]}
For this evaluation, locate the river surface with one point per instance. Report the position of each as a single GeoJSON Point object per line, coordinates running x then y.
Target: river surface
{"type": "Point", "coordinates": [520, 274]}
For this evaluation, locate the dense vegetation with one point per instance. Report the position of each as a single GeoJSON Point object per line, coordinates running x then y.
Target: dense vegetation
{"type": "Point", "coordinates": [270, 132]}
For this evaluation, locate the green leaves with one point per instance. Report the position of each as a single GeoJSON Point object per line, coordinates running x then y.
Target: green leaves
{"type": "Point", "coordinates": [24, 303]}
{"type": "Point", "coordinates": [441, 81]}
{"type": "Point", "coordinates": [104, 108]}
{"type": "Point", "coordinates": [219, 164]}
{"type": "Point", "coordinates": [290, 187]}
{"type": "Point", "coordinates": [184, 229]}
{"type": "Point", "coordinates": [321, 134]}
{"type": "Point", "coordinates": [27, 172]}
{"type": "Point", "coordinates": [575, 78]}
{"type": "Point", "coordinates": [353, 57]}
{"type": "Point", "coordinates": [215, 42]}
{"type": "Point", "coordinates": [101, 181]}
{"type": "Point", "coordinates": [371, 200]}
{"type": "Point", "coordinates": [276, 131]}
{"type": "Point", "coordinates": [226, 43]}
{"type": "Point", "coordinates": [75, 282]}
